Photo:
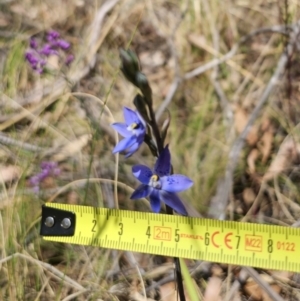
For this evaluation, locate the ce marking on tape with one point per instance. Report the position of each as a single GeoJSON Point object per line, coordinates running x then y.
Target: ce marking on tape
{"type": "Point", "coordinates": [57, 222]}
{"type": "Point", "coordinates": [228, 240]}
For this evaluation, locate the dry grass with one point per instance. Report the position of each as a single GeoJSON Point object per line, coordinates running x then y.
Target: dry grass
{"type": "Point", "coordinates": [64, 116]}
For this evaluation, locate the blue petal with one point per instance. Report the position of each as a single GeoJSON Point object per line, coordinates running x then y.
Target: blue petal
{"type": "Point", "coordinates": [121, 128]}
{"type": "Point", "coordinates": [141, 192]}
{"type": "Point", "coordinates": [142, 173]}
{"type": "Point", "coordinates": [132, 149]}
{"type": "Point", "coordinates": [124, 144]}
{"type": "Point", "coordinates": [130, 116]}
{"type": "Point", "coordinates": [173, 201]}
{"type": "Point", "coordinates": [176, 183]}
{"type": "Point", "coordinates": [155, 200]}
{"type": "Point", "coordinates": [163, 164]}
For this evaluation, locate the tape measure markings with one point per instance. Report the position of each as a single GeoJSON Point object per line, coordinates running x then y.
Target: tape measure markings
{"type": "Point", "coordinates": [264, 246]}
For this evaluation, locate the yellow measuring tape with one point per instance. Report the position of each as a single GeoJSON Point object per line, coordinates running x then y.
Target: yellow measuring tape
{"type": "Point", "coordinates": [257, 245]}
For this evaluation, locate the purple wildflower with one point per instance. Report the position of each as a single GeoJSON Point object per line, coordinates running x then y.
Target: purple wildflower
{"type": "Point", "coordinates": [159, 185]}
{"type": "Point", "coordinates": [47, 169]}
{"type": "Point", "coordinates": [133, 131]}
{"type": "Point", "coordinates": [37, 56]}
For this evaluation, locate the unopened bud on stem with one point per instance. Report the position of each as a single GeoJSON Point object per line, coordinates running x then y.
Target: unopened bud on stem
{"type": "Point", "coordinates": [130, 65]}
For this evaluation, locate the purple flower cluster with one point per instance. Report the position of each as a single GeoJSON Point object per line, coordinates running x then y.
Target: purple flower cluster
{"type": "Point", "coordinates": [47, 169]}
{"type": "Point", "coordinates": [37, 56]}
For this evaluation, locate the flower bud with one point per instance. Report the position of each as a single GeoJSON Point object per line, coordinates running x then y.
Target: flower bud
{"type": "Point", "coordinates": [130, 65]}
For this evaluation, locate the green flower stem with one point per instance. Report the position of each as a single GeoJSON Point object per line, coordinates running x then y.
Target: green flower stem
{"type": "Point", "coordinates": [189, 283]}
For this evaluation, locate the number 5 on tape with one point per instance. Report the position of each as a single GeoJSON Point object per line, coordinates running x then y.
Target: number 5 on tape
{"type": "Point", "coordinates": [263, 246]}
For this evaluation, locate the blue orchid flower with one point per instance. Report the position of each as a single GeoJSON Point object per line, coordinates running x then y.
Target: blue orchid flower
{"type": "Point", "coordinates": [133, 131]}
{"type": "Point", "coordinates": [159, 185]}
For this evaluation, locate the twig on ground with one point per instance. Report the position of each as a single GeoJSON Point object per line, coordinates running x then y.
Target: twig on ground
{"type": "Point", "coordinates": [281, 29]}
{"type": "Point", "coordinates": [220, 200]}
{"type": "Point", "coordinates": [243, 276]}
{"type": "Point", "coordinates": [215, 62]}
{"type": "Point", "coordinates": [10, 141]}
{"type": "Point", "coordinates": [264, 285]}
